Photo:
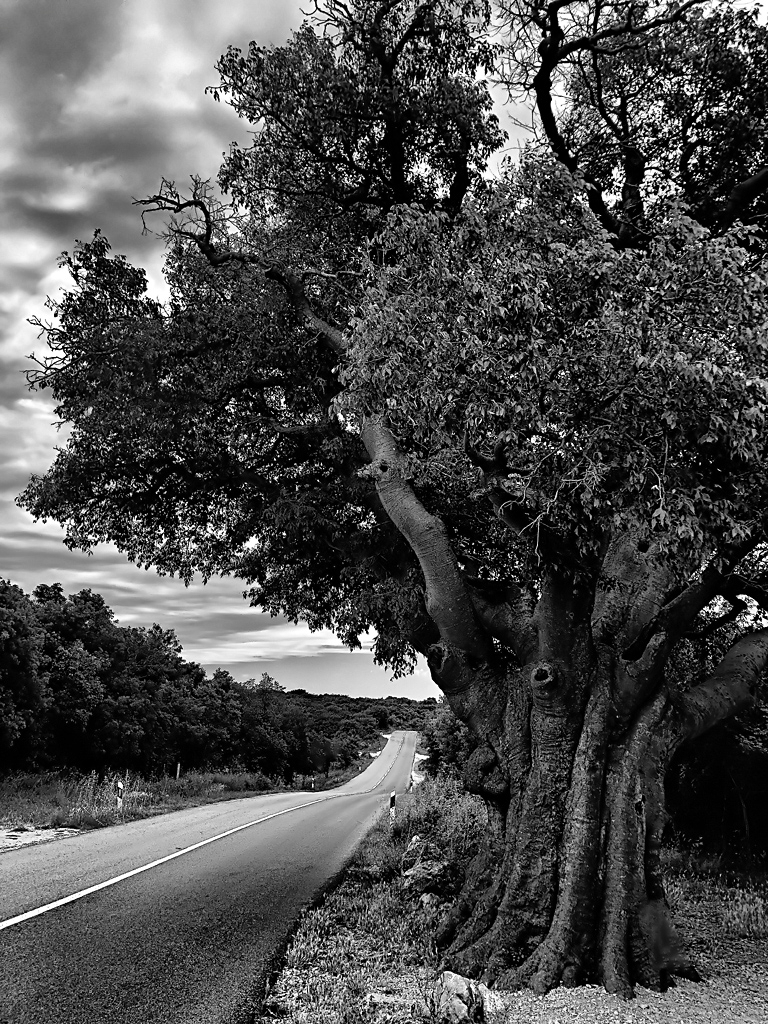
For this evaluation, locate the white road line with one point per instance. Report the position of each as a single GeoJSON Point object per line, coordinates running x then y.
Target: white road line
{"type": "Point", "coordinates": [145, 867]}
{"type": "Point", "coordinates": [180, 853]}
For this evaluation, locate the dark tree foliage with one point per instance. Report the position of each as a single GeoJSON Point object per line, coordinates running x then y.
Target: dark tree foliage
{"type": "Point", "coordinates": [448, 741]}
{"type": "Point", "coordinates": [79, 691]}
{"type": "Point", "coordinates": [515, 423]}
{"type": "Point", "coordinates": [21, 695]}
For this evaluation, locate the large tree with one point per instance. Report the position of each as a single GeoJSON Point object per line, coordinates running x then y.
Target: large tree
{"type": "Point", "coordinates": [513, 423]}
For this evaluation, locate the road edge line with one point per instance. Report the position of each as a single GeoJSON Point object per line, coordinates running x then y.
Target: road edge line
{"type": "Point", "coordinates": [29, 914]}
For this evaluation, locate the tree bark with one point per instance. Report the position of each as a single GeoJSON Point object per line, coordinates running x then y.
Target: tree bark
{"type": "Point", "coordinates": [569, 888]}
{"type": "Point", "coordinates": [565, 688]}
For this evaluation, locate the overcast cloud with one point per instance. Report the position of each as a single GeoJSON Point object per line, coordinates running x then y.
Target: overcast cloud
{"type": "Point", "coordinates": [98, 100]}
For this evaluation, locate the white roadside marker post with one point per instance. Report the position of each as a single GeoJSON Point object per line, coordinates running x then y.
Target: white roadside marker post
{"type": "Point", "coordinates": [120, 788]}
{"type": "Point", "coordinates": [178, 770]}
{"type": "Point", "coordinates": [392, 801]}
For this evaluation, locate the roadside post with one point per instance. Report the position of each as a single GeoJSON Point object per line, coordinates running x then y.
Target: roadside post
{"type": "Point", "coordinates": [178, 770]}
{"type": "Point", "coordinates": [392, 801]}
{"type": "Point", "coordinates": [120, 788]}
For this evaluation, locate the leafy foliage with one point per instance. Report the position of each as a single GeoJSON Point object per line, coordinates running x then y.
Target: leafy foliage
{"type": "Point", "coordinates": [79, 691]}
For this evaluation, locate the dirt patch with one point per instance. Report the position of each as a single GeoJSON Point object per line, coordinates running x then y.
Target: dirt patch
{"type": "Point", "coordinates": [29, 835]}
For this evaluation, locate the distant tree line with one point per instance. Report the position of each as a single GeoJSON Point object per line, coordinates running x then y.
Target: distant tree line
{"type": "Point", "coordinates": [79, 691]}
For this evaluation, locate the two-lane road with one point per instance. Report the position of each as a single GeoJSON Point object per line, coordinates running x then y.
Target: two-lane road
{"type": "Point", "coordinates": [181, 913]}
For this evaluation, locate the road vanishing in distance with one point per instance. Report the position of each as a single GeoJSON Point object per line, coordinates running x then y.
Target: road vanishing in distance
{"type": "Point", "coordinates": [190, 940]}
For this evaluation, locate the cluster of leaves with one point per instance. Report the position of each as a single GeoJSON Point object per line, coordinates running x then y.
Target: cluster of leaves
{"type": "Point", "coordinates": [79, 691]}
{"type": "Point", "coordinates": [625, 387]}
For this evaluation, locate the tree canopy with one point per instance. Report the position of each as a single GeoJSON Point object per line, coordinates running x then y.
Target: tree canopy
{"type": "Point", "coordinates": [514, 421]}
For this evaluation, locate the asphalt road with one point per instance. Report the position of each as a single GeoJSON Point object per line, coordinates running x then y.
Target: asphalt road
{"type": "Point", "coordinates": [190, 939]}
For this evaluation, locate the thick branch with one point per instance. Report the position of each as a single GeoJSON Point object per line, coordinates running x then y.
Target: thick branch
{"type": "Point", "coordinates": [447, 600]}
{"type": "Point", "coordinates": [755, 588]}
{"type": "Point", "coordinates": [730, 688]}
{"type": "Point", "coordinates": [737, 607]}
{"type": "Point", "coordinates": [744, 194]}
{"type": "Point", "coordinates": [677, 616]}
{"type": "Point", "coordinates": [509, 621]}
{"type": "Point", "coordinates": [542, 84]}
{"type": "Point", "coordinates": [294, 289]}
{"type": "Point", "coordinates": [554, 49]}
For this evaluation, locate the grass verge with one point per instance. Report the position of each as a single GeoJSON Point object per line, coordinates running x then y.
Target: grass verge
{"type": "Point", "coordinates": [63, 800]}
{"type": "Point", "coordinates": [58, 799]}
{"type": "Point", "coordinates": [366, 955]}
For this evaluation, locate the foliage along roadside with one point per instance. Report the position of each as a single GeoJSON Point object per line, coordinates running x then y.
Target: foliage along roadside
{"type": "Point", "coordinates": [59, 799]}
{"type": "Point", "coordinates": [80, 692]}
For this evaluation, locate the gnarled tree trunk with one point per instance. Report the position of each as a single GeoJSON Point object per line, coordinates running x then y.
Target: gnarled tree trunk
{"type": "Point", "coordinates": [565, 688]}
{"type": "Point", "coordinates": [569, 888]}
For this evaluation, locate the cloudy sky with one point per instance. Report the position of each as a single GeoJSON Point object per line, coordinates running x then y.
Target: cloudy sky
{"type": "Point", "coordinates": [98, 100]}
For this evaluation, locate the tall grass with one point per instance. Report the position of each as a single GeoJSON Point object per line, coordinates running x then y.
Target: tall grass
{"type": "Point", "coordinates": [67, 800]}
{"type": "Point", "coordinates": [440, 811]}
{"type": "Point", "coordinates": [745, 911]}
{"type": "Point", "coordinates": [367, 952]}
{"type": "Point", "coordinates": [693, 876]}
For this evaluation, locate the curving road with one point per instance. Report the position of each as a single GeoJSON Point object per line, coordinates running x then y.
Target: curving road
{"type": "Point", "coordinates": [192, 937]}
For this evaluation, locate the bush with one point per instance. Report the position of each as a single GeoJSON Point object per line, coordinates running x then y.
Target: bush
{"type": "Point", "coordinates": [444, 814]}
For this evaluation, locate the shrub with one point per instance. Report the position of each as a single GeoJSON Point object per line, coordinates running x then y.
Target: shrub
{"type": "Point", "coordinates": [745, 913]}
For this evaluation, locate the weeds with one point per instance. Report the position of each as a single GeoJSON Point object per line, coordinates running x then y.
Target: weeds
{"type": "Point", "coordinates": [63, 800]}
{"type": "Point", "coordinates": [442, 813]}
{"type": "Point", "coordinates": [692, 876]}
{"type": "Point", "coordinates": [368, 953]}
{"type": "Point", "coordinates": [745, 912]}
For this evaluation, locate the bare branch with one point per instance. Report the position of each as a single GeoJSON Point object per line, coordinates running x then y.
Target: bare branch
{"type": "Point", "coordinates": [169, 200]}
{"type": "Point", "coordinates": [624, 28]}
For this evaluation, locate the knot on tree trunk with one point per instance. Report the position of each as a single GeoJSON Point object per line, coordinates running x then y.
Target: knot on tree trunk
{"type": "Point", "coordinates": [483, 774]}
{"type": "Point", "coordinates": [544, 683]}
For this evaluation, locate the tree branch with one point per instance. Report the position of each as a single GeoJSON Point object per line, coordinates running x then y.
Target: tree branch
{"type": "Point", "coordinates": [542, 84]}
{"type": "Point", "coordinates": [509, 620]}
{"type": "Point", "coordinates": [743, 194]}
{"type": "Point", "coordinates": [169, 200]}
{"type": "Point", "coordinates": [678, 614]}
{"type": "Point", "coordinates": [737, 607]}
{"type": "Point", "coordinates": [553, 50]}
{"type": "Point", "coordinates": [729, 689]}
{"type": "Point", "coordinates": [447, 600]}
